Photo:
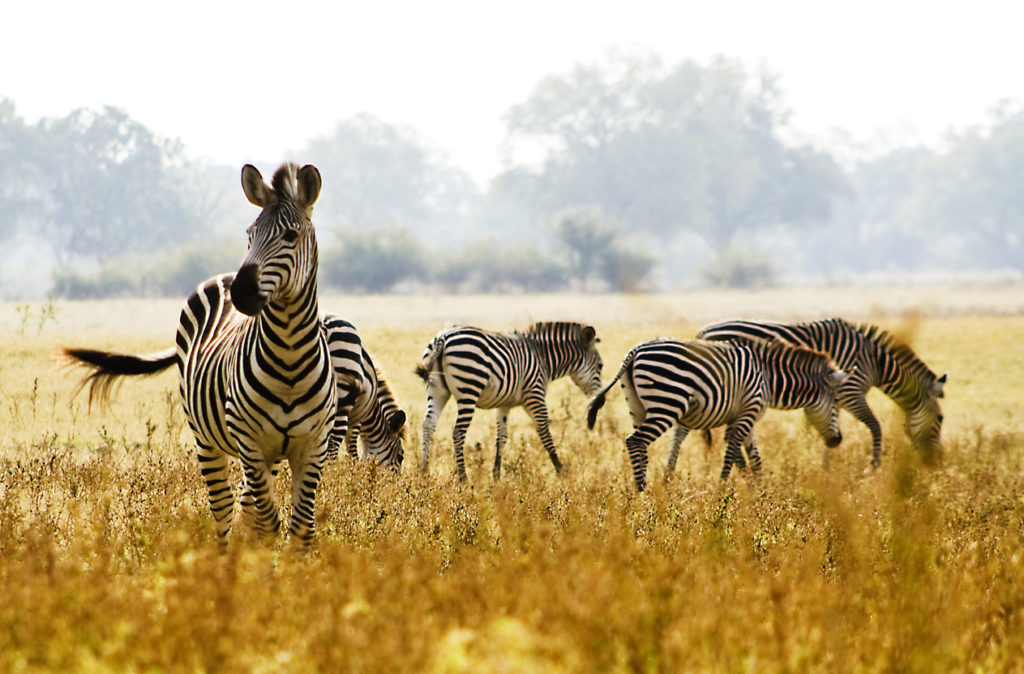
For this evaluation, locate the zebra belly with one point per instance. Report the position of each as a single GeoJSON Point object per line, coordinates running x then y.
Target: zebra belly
{"type": "Point", "coordinates": [495, 396]}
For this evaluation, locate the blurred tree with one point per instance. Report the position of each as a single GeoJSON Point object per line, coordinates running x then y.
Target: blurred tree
{"type": "Point", "coordinates": [693, 147]}
{"type": "Point", "coordinates": [18, 174]}
{"type": "Point", "coordinates": [492, 265]}
{"type": "Point", "coordinates": [372, 261]}
{"type": "Point", "coordinates": [106, 186]}
{"type": "Point", "coordinates": [593, 245]}
{"type": "Point", "coordinates": [972, 194]}
{"type": "Point", "coordinates": [376, 173]}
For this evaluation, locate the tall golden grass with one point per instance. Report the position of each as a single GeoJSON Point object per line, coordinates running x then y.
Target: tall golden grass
{"type": "Point", "coordinates": [108, 559]}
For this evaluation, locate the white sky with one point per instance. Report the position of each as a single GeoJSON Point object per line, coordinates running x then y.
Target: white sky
{"type": "Point", "coordinates": [254, 81]}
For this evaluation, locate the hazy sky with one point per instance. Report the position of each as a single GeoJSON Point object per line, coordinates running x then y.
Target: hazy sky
{"type": "Point", "coordinates": [254, 81]}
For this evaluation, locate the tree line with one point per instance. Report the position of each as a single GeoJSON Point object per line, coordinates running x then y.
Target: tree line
{"type": "Point", "coordinates": [626, 173]}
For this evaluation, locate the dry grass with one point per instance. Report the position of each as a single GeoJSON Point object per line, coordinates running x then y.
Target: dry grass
{"type": "Point", "coordinates": [108, 560]}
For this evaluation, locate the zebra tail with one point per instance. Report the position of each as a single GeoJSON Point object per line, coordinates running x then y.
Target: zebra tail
{"type": "Point", "coordinates": [430, 359]}
{"type": "Point", "coordinates": [106, 367]}
{"type": "Point", "coordinates": [597, 402]}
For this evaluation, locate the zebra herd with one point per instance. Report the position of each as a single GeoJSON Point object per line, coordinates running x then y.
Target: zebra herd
{"type": "Point", "coordinates": [265, 377]}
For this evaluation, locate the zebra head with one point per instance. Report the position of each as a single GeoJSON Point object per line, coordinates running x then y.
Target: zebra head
{"type": "Point", "coordinates": [384, 434]}
{"type": "Point", "coordinates": [803, 377]}
{"type": "Point", "coordinates": [924, 420]}
{"type": "Point", "coordinates": [824, 414]}
{"type": "Point", "coordinates": [586, 372]}
{"type": "Point", "coordinates": [281, 263]}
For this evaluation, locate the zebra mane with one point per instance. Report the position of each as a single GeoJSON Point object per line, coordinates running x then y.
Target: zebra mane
{"type": "Point", "coordinates": [386, 395]}
{"type": "Point", "coordinates": [899, 350]}
{"type": "Point", "coordinates": [285, 182]}
{"type": "Point", "coordinates": [545, 328]}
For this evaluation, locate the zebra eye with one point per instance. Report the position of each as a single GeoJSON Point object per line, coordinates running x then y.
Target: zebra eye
{"type": "Point", "coordinates": [290, 235]}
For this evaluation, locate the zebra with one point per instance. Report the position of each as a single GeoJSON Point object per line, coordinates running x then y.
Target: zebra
{"type": "Point", "coordinates": [873, 357]}
{"type": "Point", "coordinates": [373, 414]}
{"type": "Point", "coordinates": [697, 384]}
{"type": "Point", "coordinates": [500, 371]}
{"type": "Point", "coordinates": [253, 362]}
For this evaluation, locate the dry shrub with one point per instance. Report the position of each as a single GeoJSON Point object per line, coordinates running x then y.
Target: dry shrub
{"type": "Point", "coordinates": [108, 559]}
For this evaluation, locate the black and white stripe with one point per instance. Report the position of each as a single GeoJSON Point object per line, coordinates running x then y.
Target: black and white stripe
{"type": "Point", "coordinates": [504, 370]}
{"type": "Point", "coordinates": [694, 384]}
{"type": "Point", "coordinates": [373, 416]}
{"type": "Point", "coordinates": [873, 357]}
{"type": "Point", "coordinates": [254, 368]}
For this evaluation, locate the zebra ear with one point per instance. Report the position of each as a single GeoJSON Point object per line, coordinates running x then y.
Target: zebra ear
{"type": "Point", "coordinates": [937, 386]}
{"type": "Point", "coordinates": [837, 378]}
{"type": "Point", "coordinates": [308, 179]}
{"type": "Point", "coordinates": [589, 335]}
{"type": "Point", "coordinates": [256, 191]}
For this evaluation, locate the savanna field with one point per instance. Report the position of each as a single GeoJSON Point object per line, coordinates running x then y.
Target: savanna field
{"type": "Point", "coordinates": [109, 562]}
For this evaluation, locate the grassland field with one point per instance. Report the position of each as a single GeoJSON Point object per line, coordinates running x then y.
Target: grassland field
{"type": "Point", "coordinates": [109, 563]}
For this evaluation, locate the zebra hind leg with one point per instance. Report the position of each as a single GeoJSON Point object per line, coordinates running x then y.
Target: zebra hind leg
{"type": "Point", "coordinates": [637, 443]}
{"type": "Point", "coordinates": [677, 440]}
{"type": "Point", "coordinates": [437, 397]}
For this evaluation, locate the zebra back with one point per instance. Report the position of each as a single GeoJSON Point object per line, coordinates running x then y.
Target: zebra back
{"type": "Point", "coordinates": [796, 376]}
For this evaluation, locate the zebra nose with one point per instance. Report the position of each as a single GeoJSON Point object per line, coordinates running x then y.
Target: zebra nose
{"type": "Point", "coordinates": [834, 442]}
{"type": "Point", "coordinates": [245, 291]}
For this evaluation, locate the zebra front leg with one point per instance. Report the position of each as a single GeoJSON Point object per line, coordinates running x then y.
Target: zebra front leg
{"type": "Point", "coordinates": [862, 413]}
{"type": "Point", "coordinates": [538, 411]}
{"type": "Point", "coordinates": [502, 423]}
{"type": "Point", "coordinates": [248, 501]}
{"type": "Point", "coordinates": [215, 469]}
{"type": "Point", "coordinates": [735, 438]}
{"type": "Point", "coordinates": [437, 397]}
{"type": "Point", "coordinates": [258, 498]}
{"type": "Point", "coordinates": [677, 440]}
{"type": "Point", "coordinates": [306, 473]}
{"type": "Point", "coordinates": [462, 421]}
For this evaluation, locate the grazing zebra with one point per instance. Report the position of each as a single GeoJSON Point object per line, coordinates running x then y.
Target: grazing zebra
{"type": "Point", "coordinates": [873, 357]}
{"type": "Point", "coordinates": [373, 415]}
{"type": "Point", "coordinates": [695, 384]}
{"type": "Point", "coordinates": [501, 371]}
{"type": "Point", "coordinates": [254, 368]}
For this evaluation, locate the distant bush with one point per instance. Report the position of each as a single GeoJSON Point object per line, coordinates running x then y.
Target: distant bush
{"type": "Point", "coordinates": [372, 261]}
{"type": "Point", "coordinates": [489, 266]}
{"type": "Point", "coordinates": [173, 274]}
{"type": "Point", "coordinates": [110, 281]}
{"type": "Point", "coordinates": [740, 268]}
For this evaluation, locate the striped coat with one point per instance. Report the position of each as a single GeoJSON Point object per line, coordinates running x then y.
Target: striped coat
{"type": "Point", "coordinates": [254, 367]}
{"type": "Point", "coordinates": [695, 384]}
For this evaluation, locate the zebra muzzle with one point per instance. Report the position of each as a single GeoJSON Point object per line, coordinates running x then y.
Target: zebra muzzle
{"type": "Point", "coordinates": [245, 291]}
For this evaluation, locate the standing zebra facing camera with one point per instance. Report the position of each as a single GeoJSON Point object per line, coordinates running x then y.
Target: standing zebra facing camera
{"type": "Point", "coordinates": [873, 357]}
{"type": "Point", "coordinates": [695, 384]}
{"type": "Point", "coordinates": [500, 371]}
{"type": "Point", "coordinates": [254, 368]}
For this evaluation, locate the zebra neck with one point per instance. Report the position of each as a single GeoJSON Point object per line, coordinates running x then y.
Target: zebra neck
{"type": "Point", "coordinates": [287, 330]}
{"type": "Point", "coordinates": [906, 390]}
{"type": "Point", "coordinates": [787, 389]}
